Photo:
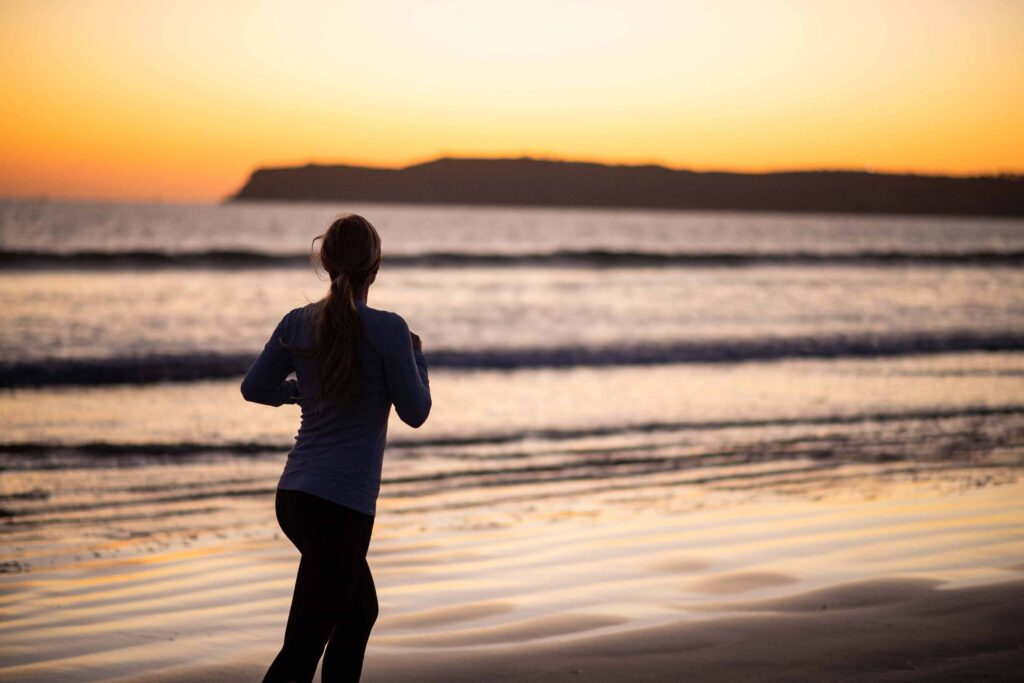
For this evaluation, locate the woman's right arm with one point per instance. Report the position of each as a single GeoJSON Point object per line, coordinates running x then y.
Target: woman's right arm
{"type": "Point", "coordinates": [405, 369]}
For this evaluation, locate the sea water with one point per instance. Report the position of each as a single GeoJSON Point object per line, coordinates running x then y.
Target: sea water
{"type": "Point", "coordinates": [566, 347]}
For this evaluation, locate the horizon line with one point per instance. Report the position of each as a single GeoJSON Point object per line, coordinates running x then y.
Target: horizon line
{"type": "Point", "coordinates": [1012, 174]}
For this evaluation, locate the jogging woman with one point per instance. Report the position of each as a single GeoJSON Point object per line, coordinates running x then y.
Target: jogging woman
{"type": "Point", "coordinates": [352, 363]}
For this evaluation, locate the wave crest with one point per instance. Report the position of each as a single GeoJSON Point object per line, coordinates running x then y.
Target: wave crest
{"type": "Point", "coordinates": [205, 366]}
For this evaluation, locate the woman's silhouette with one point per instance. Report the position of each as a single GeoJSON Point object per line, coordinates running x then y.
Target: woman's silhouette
{"type": "Point", "coordinates": [351, 362]}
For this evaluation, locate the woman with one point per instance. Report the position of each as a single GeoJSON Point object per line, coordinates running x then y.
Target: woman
{"type": "Point", "coordinates": [351, 362]}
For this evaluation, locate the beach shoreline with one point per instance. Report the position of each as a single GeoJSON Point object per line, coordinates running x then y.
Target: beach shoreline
{"type": "Point", "coordinates": [921, 578]}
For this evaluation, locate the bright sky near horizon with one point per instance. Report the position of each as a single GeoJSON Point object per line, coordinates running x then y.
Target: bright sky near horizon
{"type": "Point", "coordinates": [146, 99]}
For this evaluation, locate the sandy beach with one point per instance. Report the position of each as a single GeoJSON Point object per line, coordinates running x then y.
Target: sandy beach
{"type": "Point", "coordinates": [866, 573]}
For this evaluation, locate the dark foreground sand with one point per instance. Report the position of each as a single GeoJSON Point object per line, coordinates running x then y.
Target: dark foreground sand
{"type": "Point", "coordinates": [882, 630]}
{"type": "Point", "coordinates": [877, 576]}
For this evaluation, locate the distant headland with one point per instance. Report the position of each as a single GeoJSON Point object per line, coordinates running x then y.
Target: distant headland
{"type": "Point", "coordinates": [540, 182]}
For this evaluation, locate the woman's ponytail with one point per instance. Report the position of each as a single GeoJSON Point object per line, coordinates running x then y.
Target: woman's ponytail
{"type": "Point", "coordinates": [350, 253]}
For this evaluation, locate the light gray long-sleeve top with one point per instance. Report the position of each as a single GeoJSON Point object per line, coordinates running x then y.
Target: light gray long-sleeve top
{"type": "Point", "coordinates": [338, 454]}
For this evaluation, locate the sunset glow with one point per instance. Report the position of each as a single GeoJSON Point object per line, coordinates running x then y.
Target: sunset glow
{"type": "Point", "coordinates": [145, 100]}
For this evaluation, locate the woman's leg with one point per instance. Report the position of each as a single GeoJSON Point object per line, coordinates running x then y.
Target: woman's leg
{"type": "Point", "coordinates": [334, 540]}
{"type": "Point", "coordinates": [343, 660]}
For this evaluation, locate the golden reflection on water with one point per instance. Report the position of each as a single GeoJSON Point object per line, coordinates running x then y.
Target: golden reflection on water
{"type": "Point", "coordinates": [535, 400]}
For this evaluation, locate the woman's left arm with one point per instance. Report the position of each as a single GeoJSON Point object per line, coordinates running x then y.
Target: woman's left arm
{"type": "Point", "coordinates": [265, 380]}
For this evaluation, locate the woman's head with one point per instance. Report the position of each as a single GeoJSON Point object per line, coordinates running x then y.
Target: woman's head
{"type": "Point", "coordinates": [350, 249]}
{"type": "Point", "coordinates": [350, 255]}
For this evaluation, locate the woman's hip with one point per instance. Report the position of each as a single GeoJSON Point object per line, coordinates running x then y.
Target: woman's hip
{"type": "Point", "coordinates": [315, 524]}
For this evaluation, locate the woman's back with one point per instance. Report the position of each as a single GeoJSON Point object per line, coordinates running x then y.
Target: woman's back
{"type": "Point", "coordinates": [338, 452]}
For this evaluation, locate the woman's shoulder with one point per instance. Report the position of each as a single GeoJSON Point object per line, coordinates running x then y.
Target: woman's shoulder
{"type": "Point", "coordinates": [385, 329]}
{"type": "Point", "coordinates": [382, 324]}
{"type": "Point", "coordinates": [300, 314]}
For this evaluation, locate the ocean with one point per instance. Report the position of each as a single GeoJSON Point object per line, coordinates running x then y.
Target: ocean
{"type": "Point", "coordinates": [570, 350]}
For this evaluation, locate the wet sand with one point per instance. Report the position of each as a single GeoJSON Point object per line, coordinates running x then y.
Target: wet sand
{"type": "Point", "coordinates": [863, 575]}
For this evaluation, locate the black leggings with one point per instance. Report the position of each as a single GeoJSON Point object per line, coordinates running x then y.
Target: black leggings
{"type": "Point", "coordinates": [335, 601]}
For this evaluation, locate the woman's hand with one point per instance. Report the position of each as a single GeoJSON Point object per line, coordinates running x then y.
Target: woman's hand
{"type": "Point", "coordinates": [417, 344]}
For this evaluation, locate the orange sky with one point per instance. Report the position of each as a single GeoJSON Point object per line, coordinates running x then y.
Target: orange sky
{"type": "Point", "coordinates": [179, 101]}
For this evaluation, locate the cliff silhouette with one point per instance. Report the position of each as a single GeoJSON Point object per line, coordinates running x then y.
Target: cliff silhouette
{"type": "Point", "coordinates": [537, 182]}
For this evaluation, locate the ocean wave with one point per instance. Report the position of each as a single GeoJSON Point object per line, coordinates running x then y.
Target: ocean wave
{"type": "Point", "coordinates": [54, 455]}
{"type": "Point", "coordinates": [207, 366]}
{"type": "Point", "coordinates": [13, 259]}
